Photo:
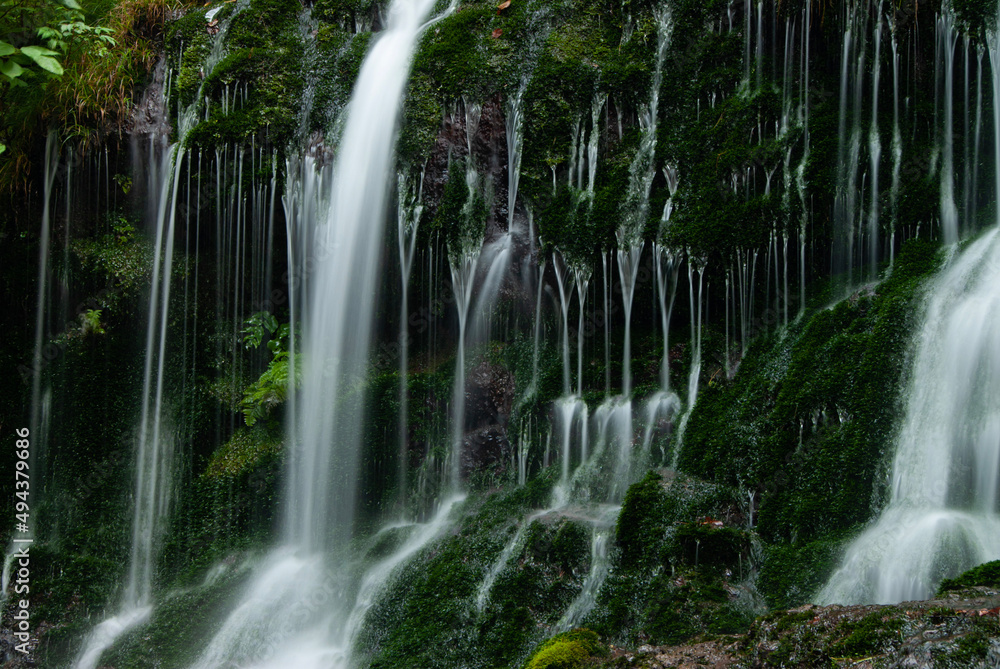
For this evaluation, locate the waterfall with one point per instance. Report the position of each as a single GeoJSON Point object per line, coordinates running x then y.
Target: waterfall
{"type": "Point", "coordinates": [495, 260]}
{"type": "Point", "coordinates": [943, 515]}
{"type": "Point", "coordinates": [599, 566]}
{"type": "Point", "coordinates": [606, 288]}
{"type": "Point", "coordinates": [463, 274]}
{"type": "Point", "coordinates": [561, 270]}
{"type": "Point", "coordinates": [948, 35]}
{"type": "Point", "coordinates": [897, 141]}
{"type": "Point", "coordinates": [515, 143]}
{"type": "Point", "coordinates": [407, 221]}
{"type": "Point", "coordinates": [594, 144]}
{"type": "Point", "coordinates": [628, 270]}
{"type": "Point", "coordinates": [37, 405]}
{"type": "Point", "coordinates": [694, 265]}
{"type": "Point", "coordinates": [581, 277]}
{"type": "Point", "coordinates": [875, 154]}
{"type": "Point", "coordinates": [155, 445]}
{"type": "Point", "coordinates": [636, 204]}
{"type": "Point", "coordinates": [324, 433]}
{"type": "Point", "coordinates": [156, 435]}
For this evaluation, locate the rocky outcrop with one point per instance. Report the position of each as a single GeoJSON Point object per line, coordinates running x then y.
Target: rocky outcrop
{"type": "Point", "coordinates": [960, 630]}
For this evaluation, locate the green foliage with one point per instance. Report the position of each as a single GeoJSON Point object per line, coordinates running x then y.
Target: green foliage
{"type": "Point", "coordinates": [791, 574]}
{"type": "Point", "coordinates": [121, 256]}
{"type": "Point", "coordinates": [244, 451]}
{"type": "Point", "coordinates": [59, 25]}
{"type": "Point", "coordinates": [271, 388]}
{"type": "Point", "coordinates": [987, 574]}
{"type": "Point", "coordinates": [971, 649]}
{"type": "Point", "coordinates": [90, 322]}
{"type": "Point", "coordinates": [255, 327]}
{"type": "Point", "coordinates": [263, 60]}
{"type": "Point", "coordinates": [569, 650]}
{"type": "Point", "coordinates": [977, 15]}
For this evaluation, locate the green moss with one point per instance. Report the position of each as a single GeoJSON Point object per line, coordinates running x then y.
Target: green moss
{"type": "Point", "coordinates": [430, 615]}
{"type": "Point", "coordinates": [987, 574]}
{"type": "Point", "coordinates": [453, 54]}
{"type": "Point", "coordinates": [246, 449]}
{"type": "Point", "coordinates": [263, 56]}
{"type": "Point", "coordinates": [569, 650]}
{"type": "Point", "coordinates": [461, 214]}
{"type": "Point", "coordinates": [180, 626]}
{"type": "Point", "coordinates": [806, 417]}
{"type": "Point", "coordinates": [639, 528]}
{"type": "Point", "coordinates": [421, 119]}
{"type": "Point", "coordinates": [869, 635]}
{"type": "Point", "coordinates": [703, 544]}
{"type": "Point", "coordinates": [974, 647]}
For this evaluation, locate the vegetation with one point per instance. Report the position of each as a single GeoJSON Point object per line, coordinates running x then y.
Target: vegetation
{"type": "Point", "coordinates": [985, 575]}
{"type": "Point", "coordinates": [784, 456]}
{"type": "Point", "coordinates": [569, 650]}
{"type": "Point", "coordinates": [72, 67]}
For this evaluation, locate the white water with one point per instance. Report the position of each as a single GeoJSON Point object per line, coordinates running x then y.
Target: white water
{"type": "Point", "coordinates": [874, 155]}
{"type": "Point", "coordinates": [628, 270]}
{"type": "Point", "coordinates": [8, 562]}
{"type": "Point", "coordinates": [463, 274]}
{"type": "Point", "coordinates": [943, 515]}
{"type": "Point", "coordinates": [407, 223]}
{"type": "Point", "coordinates": [948, 35]}
{"type": "Point", "coordinates": [337, 325]}
{"type": "Point", "coordinates": [694, 377]}
{"type": "Point", "coordinates": [324, 431]}
{"type": "Point", "coordinates": [514, 544]}
{"type": "Point", "coordinates": [581, 277]}
{"type": "Point", "coordinates": [561, 271]}
{"type": "Point", "coordinates": [514, 122]}
{"type": "Point", "coordinates": [156, 440]}
{"type": "Point", "coordinates": [600, 541]}
{"type": "Point", "coordinates": [495, 260]}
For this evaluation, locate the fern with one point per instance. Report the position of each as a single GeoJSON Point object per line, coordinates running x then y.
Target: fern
{"type": "Point", "coordinates": [271, 389]}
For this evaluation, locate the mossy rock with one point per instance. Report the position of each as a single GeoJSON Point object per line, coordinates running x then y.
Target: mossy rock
{"type": "Point", "coordinates": [985, 575]}
{"type": "Point", "coordinates": [569, 650]}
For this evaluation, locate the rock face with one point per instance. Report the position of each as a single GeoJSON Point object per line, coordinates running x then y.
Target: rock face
{"type": "Point", "coordinates": [489, 396]}
{"type": "Point", "coordinates": [961, 630]}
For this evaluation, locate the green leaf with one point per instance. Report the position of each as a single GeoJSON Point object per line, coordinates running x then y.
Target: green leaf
{"type": "Point", "coordinates": [11, 69]}
{"type": "Point", "coordinates": [3, 147]}
{"type": "Point", "coordinates": [6, 49]}
{"type": "Point", "coordinates": [33, 52]}
{"type": "Point", "coordinates": [71, 4]}
{"type": "Point", "coordinates": [43, 59]}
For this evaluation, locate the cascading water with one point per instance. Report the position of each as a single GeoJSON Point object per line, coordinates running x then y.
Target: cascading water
{"type": "Point", "coordinates": [156, 436]}
{"type": "Point", "coordinates": [324, 433]}
{"type": "Point", "coordinates": [943, 515]}
{"type": "Point", "coordinates": [408, 221]}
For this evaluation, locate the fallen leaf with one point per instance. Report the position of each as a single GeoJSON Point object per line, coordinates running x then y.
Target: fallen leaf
{"type": "Point", "coordinates": [497, 33]}
{"type": "Point", "coordinates": [504, 5]}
